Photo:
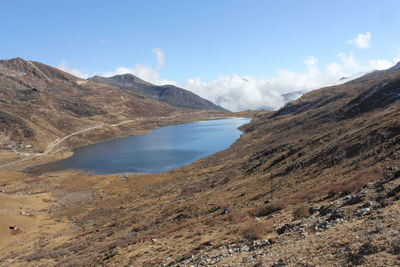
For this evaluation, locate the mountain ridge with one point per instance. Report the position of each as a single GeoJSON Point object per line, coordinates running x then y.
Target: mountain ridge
{"type": "Point", "coordinates": [170, 94]}
{"type": "Point", "coordinates": [39, 102]}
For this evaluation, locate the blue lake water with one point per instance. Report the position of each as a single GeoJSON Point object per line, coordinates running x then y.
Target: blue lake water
{"type": "Point", "coordinates": [162, 149]}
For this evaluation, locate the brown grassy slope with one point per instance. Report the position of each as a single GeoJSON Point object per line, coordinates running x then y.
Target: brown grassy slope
{"type": "Point", "coordinates": [327, 144]}
{"type": "Point", "coordinates": [39, 102]}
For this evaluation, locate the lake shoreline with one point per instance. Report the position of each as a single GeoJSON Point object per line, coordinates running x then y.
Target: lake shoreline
{"type": "Point", "coordinates": [102, 135]}
{"type": "Point", "coordinates": [56, 165]}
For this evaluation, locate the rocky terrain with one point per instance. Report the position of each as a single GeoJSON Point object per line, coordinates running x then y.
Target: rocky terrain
{"type": "Point", "coordinates": [170, 94]}
{"type": "Point", "coordinates": [315, 183]}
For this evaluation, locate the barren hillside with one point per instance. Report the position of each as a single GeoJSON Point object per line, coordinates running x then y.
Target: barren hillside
{"type": "Point", "coordinates": [315, 183]}
{"type": "Point", "coordinates": [39, 103]}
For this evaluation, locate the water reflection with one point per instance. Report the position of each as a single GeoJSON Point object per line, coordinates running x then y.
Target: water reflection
{"type": "Point", "coordinates": [161, 150]}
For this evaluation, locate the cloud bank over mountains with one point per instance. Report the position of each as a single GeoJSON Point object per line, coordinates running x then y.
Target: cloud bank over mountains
{"type": "Point", "coordinates": [236, 92]}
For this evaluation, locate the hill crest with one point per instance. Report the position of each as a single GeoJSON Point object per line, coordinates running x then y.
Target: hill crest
{"type": "Point", "coordinates": [170, 94]}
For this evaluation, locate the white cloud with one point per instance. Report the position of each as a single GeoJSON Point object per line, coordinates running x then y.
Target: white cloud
{"type": "Point", "coordinates": [236, 92]}
{"type": "Point", "coordinates": [352, 65]}
{"type": "Point", "coordinates": [348, 61]}
{"type": "Point", "coordinates": [64, 67]}
{"type": "Point", "coordinates": [239, 93]}
{"type": "Point", "coordinates": [378, 64]}
{"type": "Point", "coordinates": [144, 72]}
{"type": "Point", "coordinates": [362, 40]}
{"type": "Point", "coordinates": [311, 61]}
{"type": "Point", "coordinates": [160, 57]}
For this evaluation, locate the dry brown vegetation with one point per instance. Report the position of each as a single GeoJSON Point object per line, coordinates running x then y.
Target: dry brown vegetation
{"type": "Point", "coordinates": [252, 230]}
{"type": "Point", "coordinates": [315, 151]}
{"type": "Point", "coordinates": [301, 211]}
{"type": "Point", "coordinates": [274, 206]}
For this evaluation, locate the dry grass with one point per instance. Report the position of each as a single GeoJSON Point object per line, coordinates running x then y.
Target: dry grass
{"type": "Point", "coordinates": [252, 230]}
{"type": "Point", "coordinates": [174, 227]}
{"type": "Point", "coordinates": [301, 211]}
{"type": "Point", "coordinates": [268, 209]}
{"type": "Point", "coordinates": [354, 183]}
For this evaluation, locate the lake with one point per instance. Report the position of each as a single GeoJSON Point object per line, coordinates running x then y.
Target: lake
{"type": "Point", "coordinates": [161, 150]}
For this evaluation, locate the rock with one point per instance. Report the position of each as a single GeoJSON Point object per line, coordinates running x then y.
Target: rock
{"type": "Point", "coordinates": [368, 204]}
{"type": "Point", "coordinates": [365, 210]}
{"type": "Point", "coordinates": [279, 263]}
{"type": "Point", "coordinates": [391, 168]}
{"type": "Point", "coordinates": [337, 214]}
{"type": "Point", "coordinates": [326, 225]}
{"type": "Point", "coordinates": [207, 244]}
{"type": "Point", "coordinates": [225, 211]}
{"type": "Point", "coordinates": [314, 209]}
{"type": "Point", "coordinates": [256, 219]}
{"type": "Point", "coordinates": [394, 192]}
{"type": "Point", "coordinates": [353, 200]}
{"type": "Point", "coordinates": [339, 220]}
{"type": "Point", "coordinates": [283, 229]}
{"type": "Point", "coordinates": [347, 197]}
{"type": "Point", "coordinates": [326, 210]}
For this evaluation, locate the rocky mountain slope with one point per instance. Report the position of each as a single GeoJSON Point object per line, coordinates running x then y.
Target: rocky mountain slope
{"type": "Point", "coordinates": [170, 94]}
{"type": "Point", "coordinates": [315, 183]}
{"type": "Point", "coordinates": [41, 103]}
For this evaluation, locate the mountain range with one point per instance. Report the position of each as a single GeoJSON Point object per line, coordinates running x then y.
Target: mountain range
{"type": "Point", "coordinates": [170, 94]}
{"type": "Point", "coordinates": [39, 102]}
{"type": "Point", "coordinates": [315, 183]}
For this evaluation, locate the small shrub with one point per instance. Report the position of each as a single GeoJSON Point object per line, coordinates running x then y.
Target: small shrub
{"type": "Point", "coordinates": [301, 211]}
{"type": "Point", "coordinates": [34, 180]}
{"type": "Point", "coordinates": [252, 230]}
{"type": "Point", "coordinates": [46, 200]}
{"type": "Point", "coordinates": [16, 232]}
{"type": "Point", "coordinates": [268, 209]}
{"type": "Point", "coordinates": [236, 217]}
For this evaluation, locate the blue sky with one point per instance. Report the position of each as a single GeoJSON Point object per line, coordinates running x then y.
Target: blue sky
{"type": "Point", "coordinates": [208, 46]}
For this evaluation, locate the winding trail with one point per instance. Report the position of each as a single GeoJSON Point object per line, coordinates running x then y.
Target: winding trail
{"type": "Point", "coordinates": [52, 145]}
{"type": "Point", "coordinates": [55, 143]}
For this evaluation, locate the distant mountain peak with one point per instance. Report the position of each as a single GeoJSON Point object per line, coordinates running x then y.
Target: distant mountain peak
{"type": "Point", "coordinates": [35, 72]}
{"type": "Point", "coordinates": [170, 94]}
{"type": "Point", "coordinates": [396, 67]}
{"type": "Point", "coordinates": [17, 59]}
{"type": "Point", "coordinates": [128, 77]}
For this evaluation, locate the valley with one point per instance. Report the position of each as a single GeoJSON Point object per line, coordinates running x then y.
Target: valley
{"type": "Point", "coordinates": [313, 183]}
